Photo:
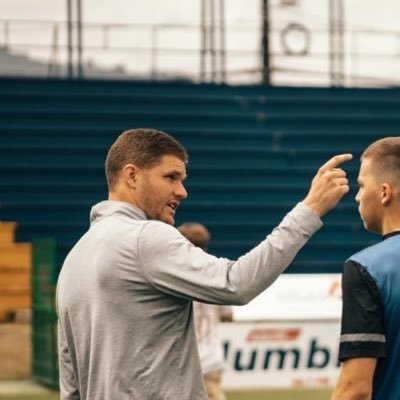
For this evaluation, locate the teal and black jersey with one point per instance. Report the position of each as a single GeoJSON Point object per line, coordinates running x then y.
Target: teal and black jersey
{"type": "Point", "coordinates": [371, 313]}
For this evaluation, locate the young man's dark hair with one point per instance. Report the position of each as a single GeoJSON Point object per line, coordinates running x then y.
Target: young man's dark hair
{"type": "Point", "coordinates": [196, 233]}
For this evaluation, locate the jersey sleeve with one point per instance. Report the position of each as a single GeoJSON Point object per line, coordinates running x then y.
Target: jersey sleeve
{"type": "Point", "coordinates": [362, 331]}
{"type": "Point", "coordinates": [175, 266]}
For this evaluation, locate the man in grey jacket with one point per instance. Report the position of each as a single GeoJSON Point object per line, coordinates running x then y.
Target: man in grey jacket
{"type": "Point", "coordinates": [125, 291]}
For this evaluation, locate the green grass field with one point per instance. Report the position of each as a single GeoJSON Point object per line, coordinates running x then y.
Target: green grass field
{"type": "Point", "coordinates": [248, 395]}
{"type": "Point", "coordinates": [280, 395]}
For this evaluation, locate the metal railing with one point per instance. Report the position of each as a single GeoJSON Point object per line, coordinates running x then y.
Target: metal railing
{"type": "Point", "coordinates": [174, 51]}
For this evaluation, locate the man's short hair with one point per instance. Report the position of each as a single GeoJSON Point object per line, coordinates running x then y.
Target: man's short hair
{"type": "Point", "coordinates": [196, 233]}
{"type": "Point", "coordinates": [141, 147]}
{"type": "Point", "coordinates": [385, 156]}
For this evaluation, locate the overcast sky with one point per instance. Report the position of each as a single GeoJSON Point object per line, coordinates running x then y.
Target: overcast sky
{"type": "Point", "coordinates": [366, 13]}
{"type": "Point", "coordinates": [127, 11]}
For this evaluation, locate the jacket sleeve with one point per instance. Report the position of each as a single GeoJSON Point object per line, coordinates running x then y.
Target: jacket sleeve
{"type": "Point", "coordinates": [68, 385]}
{"type": "Point", "coordinates": [173, 265]}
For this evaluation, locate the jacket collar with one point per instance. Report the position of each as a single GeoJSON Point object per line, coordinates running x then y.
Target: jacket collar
{"type": "Point", "coordinates": [108, 207]}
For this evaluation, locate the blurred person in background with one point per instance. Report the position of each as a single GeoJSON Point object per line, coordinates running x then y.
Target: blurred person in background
{"type": "Point", "coordinates": [207, 318]}
{"type": "Point", "coordinates": [125, 290]}
{"type": "Point", "coordinates": [370, 335]}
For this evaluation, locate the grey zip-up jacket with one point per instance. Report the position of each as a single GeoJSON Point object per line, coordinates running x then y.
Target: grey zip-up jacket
{"type": "Point", "coordinates": [125, 322]}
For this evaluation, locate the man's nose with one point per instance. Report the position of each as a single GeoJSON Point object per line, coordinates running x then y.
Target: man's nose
{"type": "Point", "coordinates": [181, 191]}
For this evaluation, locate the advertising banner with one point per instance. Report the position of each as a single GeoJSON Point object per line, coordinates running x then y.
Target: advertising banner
{"type": "Point", "coordinates": [296, 297]}
{"type": "Point", "coordinates": [280, 354]}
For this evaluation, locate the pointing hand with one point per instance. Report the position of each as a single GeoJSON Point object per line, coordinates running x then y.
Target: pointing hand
{"type": "Point", "coordinates": [329, 185]}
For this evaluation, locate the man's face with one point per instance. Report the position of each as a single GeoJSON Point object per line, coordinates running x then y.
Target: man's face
{"type": "Point", "coordinates": [369, 197]}
{"type": "Point", "coordinates": [160, 188]}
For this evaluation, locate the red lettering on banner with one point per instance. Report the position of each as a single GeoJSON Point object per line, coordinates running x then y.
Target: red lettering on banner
{"type": "Point", "coordinates": [335, 289]}
{"type": "Point", "coordinates": [267, 334]}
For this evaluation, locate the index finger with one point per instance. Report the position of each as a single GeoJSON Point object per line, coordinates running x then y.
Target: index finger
{"type": "Point", "coordinates": [335, 161]}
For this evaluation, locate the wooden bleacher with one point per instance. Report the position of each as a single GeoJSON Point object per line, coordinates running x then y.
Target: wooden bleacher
{"type": "Point", "coordinates": [15, 272]}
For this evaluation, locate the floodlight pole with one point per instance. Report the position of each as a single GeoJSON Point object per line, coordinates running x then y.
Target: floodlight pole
{"type": "Point", "coordinates": [266, 48]}
{"type": "Point", "coordinates": [336, 40]}
{"type": "Point", "coordinates": [79, 38]}
{"type": "Point", "coordinates": [71, 23]}
{"type": "Point", "coordinates": [212, 46]}
{"type": "Point", "coordinates": [70, 68]}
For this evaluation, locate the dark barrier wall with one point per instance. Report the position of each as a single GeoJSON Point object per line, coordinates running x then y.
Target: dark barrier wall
{"type": "Point", "coordinates": [253, 151]}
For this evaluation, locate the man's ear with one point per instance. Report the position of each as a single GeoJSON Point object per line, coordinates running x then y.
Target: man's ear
{"type": "Point", "coordinates": [387, 193]}
{"type": "Point", "coordinates": [129, 175]}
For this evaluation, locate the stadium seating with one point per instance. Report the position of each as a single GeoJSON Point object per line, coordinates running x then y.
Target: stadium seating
{"type": "Point", "coordinates": [253, 152]}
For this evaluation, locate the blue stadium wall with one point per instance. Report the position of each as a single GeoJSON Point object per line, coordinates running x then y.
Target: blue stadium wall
{"type": "Point", "coordinates": [253, 152]}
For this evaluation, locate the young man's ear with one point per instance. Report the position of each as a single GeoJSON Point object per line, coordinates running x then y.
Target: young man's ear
{"type": "Point", "coordinates": [129, 175]}
{"type": "Point", "coordinates": [387, 193]}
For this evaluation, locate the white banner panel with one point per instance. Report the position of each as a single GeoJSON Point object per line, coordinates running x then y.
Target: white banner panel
{"type": "Point", "coordinates": [280, 355]}
{"type": "Point", "coordinates": [294, 297]}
